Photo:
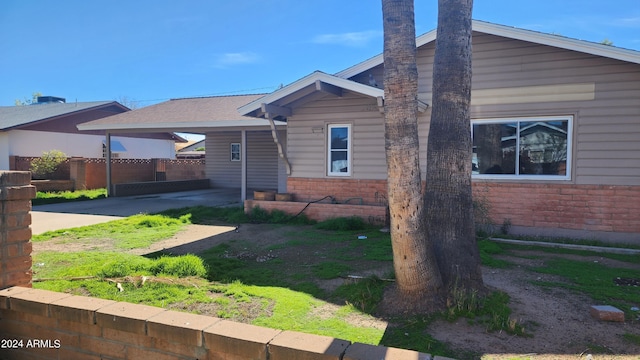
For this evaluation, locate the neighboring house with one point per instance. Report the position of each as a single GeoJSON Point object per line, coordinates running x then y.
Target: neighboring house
{"type": "Point", "coordinates": [555, 121]}
{"type": "Point", "coordinates": [241, 152]}
{"type": "Point", "coordinates": [191, 150]}
{"type": "Point", "coordinates": [50, 124]}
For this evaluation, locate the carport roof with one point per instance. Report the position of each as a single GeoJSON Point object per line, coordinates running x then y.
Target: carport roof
{"type": "Point", "coordinates": [188, 114]}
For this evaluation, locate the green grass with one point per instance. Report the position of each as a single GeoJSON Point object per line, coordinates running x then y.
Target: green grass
{"type": "Point", "coordinates": [43, 198]}
{"type": "Point", "coordinates": [138, 231]}
{"type": "Point", "coordinates": [209, 215]}
{"type": "Point", "coordinates": [330, 270]}
{"type": "Point", "coordinates": [595, 280]}
{"type": "Point", "coordinates": [632, 338]}
{"type": "Point", "coordinates": [489, 248]}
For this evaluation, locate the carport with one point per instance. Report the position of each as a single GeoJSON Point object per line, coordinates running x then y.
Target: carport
{"type": "Point", "coordinates": [241, 152]}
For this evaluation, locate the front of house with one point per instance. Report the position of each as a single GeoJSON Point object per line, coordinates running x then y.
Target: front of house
{"type": "Point", "coordinates": [555, 124]}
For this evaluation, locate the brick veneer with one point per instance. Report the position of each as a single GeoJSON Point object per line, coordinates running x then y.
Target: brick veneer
{"type": "Point", "coordinates": [372, 192]}
{"type": "Point", "coordinates": [15, 234]}
{"type": "Point", "coordinates": [603, 208]}
{"type": "Point", "coordinates": [321, 211]}
{"type": "Point", "coordinates": [606, 208]}
{"type": "Point", "coordinates": [76, 327]}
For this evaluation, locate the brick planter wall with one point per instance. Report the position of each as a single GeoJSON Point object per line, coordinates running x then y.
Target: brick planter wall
{"type": "Point", "coordinates": [75, 327]}
{"type": "Point", "coordinates": [372, 192]}
{"type": "Point", "coordinates": [16, 193]}
{"type": "Point", "coordinates": [53, 185]}
{"type": "Point", "coordinates": [321, 211]}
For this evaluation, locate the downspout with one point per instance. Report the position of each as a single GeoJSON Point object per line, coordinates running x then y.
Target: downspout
{"type": "Point", "coordinates": [276, 139]}
{"type": "Point", "coordinates": [108, 162]}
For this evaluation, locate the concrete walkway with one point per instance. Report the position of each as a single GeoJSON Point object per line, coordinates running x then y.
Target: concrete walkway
{"type": "Point", "coordinates": [80, 213]}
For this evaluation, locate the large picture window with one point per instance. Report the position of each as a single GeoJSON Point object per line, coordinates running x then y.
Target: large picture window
{"type": "Point", "coordinates": [522, 148]}
{"type": "Point", "coordinates": [339, 150]}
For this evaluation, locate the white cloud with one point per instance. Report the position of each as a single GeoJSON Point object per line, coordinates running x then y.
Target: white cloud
{"type": "Point", "coordinates": [230, 59]}
{"type": "Point", "coordinates": [629, 22]}
{"type": "Point", "coordinates": [361, 38]}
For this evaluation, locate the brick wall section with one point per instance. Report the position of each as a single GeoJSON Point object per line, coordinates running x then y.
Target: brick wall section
{"type": "Point", "coordinates": [15, 234]}
{"type": "Point", "coordinates": [606, 208]}
{"type": "Point", "coordinates": [321, 211]}
{"type": "Point", "coordinates": [576, 207]}
{"type": "Point", "coordinates": [184, 169]}
{"type": "Point", "coordinates": [76, 327]}
{"type": "Point", "coordinates": [372, 192]}
{"type": "Point", "coordinates": [92, 173]}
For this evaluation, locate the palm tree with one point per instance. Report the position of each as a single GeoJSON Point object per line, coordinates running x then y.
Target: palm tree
{"type": "Point", "coordinates": [417, 276]}
{"type": "Point", "coordinates": [448, 199]}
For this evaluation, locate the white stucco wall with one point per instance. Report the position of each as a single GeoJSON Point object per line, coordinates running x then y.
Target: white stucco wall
{"type": "Point", "coordinates": [34, 143]}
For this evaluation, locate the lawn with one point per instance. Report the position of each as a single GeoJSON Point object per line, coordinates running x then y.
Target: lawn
{"type": "Point", "coordinates": [303, 277]}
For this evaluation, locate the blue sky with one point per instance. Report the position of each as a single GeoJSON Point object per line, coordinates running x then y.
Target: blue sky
{"type": "Point", "coordinates": [154, 50]}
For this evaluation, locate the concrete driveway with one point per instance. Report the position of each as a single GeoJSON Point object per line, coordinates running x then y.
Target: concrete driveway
{"type": "Point", "coordinates": [80, 213]}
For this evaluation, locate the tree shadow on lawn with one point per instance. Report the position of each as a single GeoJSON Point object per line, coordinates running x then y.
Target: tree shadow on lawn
{"type": "Point", "coordinates": [338, 267]}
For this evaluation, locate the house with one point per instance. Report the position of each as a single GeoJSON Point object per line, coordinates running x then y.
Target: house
{"type": "Point", "coordinates": [555, 123]}
{"type": "Point", "coordinates": [241, 151]}
{"type": "Point", "coordinates": [193, 149]}
{"type": "Point", "coordinates": [50, 123]}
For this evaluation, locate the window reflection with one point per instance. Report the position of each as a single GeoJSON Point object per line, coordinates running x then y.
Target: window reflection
{"type": "Point", "coordinates": [521, 147]}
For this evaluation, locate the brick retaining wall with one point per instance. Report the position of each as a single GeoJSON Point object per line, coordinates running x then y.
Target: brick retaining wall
{"type": "Point", "coordinates": [321, 211]}
{"type": "Point", "coordinates": [49, 325]}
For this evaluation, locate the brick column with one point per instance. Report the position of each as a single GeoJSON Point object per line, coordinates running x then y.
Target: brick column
{"type": "Point", "coordinates": [78, 173]}
{"type": "Point", "coordinates": [16, 193]}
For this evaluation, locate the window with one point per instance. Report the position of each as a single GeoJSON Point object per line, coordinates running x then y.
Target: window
{"type": "Point", "coordinates": [339, 150]}
{"type": "Point", "coordinates": [235, 151]}
{"type": "Point", "coordinates": [522, 148]}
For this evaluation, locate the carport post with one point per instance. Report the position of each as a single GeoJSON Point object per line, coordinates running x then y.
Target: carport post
{"type": "Point", "coordinates": [108, 162]}
{"type": "Point", "coordinates": [243, 165]}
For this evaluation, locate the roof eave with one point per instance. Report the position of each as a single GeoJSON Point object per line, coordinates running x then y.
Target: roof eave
{"type": "Point", "coordinates": [513, 33]}
{"type": "Point", "coordinates": [255, 106]}
{"type": "Point", "coordinates": [180, 126]}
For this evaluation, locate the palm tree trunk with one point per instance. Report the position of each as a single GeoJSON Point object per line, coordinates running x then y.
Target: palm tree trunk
{"type": "Point", "coordinates": [416, 271]}
{"type": "Point", "coordinates": [448, 198]}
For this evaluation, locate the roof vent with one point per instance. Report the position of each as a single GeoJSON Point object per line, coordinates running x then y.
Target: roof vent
{"type": "Point", "coordinates": [50, 100]}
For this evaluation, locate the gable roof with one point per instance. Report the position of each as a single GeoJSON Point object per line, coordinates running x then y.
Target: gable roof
{"type": "Point", "coordinates": [317, 82]}
{"type": "Point", "coordinates": [16, 116]}
{"type": "Point", "coordinates": [517, 34]}
{"type": "Point", "coordinates": [196, 114]}
{"type": "Point", "coordinates": [280, 102]}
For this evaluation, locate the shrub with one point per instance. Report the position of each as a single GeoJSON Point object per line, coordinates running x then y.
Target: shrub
{"type": "Point", "coordinates": [343, 224]}
{"type": "Point", "coordinates": [180, 266]}
{"type": "Point", "coordinates": [47, 164]}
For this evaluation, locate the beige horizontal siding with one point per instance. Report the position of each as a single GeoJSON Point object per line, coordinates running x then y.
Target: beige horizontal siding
{"type": "Point", "coordinates": [606, 128]}
{"type": "Point", "coordinates": [262, 160]}
{"type": "Point", "coordinates": [511, 78]}
{"type": "Point", "coordinates": [221, 171]}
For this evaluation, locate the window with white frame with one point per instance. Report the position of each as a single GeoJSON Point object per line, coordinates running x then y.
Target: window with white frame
{"type": "Point", "coordinates": [522, 148]}
{"type": "Point", "coordinates": [339, 150]}
{"type": "Point", "coordinates": [235, 151]}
